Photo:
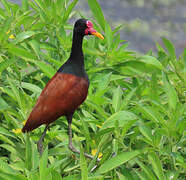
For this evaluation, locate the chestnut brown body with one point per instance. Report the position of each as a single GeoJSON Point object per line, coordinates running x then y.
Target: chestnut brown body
{"type": "Point", "coordinates": [61, 96]}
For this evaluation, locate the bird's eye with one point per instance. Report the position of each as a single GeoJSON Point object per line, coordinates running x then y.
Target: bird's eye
{"type": "Point", "coordinates": [89, 24]}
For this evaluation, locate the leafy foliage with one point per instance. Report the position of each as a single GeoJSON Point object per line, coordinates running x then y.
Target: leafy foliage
{"type": "Point", "coordinates": [134, 114]}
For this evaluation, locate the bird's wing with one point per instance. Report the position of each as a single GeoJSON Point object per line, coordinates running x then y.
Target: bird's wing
{"type": "Point", "coordinates": [61, 96]}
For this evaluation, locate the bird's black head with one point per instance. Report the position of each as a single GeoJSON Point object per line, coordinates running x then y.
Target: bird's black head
{"type": "Point", "coordinates": [85, 27]}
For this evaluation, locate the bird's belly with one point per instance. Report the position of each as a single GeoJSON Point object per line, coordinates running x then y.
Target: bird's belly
{"type": "Point", "coordinates": [67, 98]}
{"type": "Point", "coordinates": [67, 104]}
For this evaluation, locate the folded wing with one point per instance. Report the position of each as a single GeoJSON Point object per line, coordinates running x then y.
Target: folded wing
{"type": "Point", "coordinates": [61, 96]}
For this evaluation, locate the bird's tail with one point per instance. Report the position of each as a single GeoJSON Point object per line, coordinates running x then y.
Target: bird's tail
{"type": "Point", "coordinates": [31, 125]}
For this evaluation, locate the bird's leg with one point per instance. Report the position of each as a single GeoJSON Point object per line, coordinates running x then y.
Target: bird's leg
{"type": "Point", "coordinates": [40, 142]}
{"type": "Point", "coordinates": [70, 145]}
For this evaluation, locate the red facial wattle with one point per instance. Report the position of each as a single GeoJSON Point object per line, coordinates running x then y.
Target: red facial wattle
{"type": "Point", "coordinates": [91, 30]}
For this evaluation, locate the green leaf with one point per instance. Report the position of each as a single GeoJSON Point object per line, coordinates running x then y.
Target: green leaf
{"type": "Point", "coordinates": [23, 18]}
{"type": "Point", "coordinates": [20, 52]}
{"type": "Point", "coordinates": [123, 117]}
{"type": "Point", "coordinates": [121, 176]}
{"type": "Point", "coordinates": [108, 35]}
{"type": "Point", "coordinates": [4, 167]}
{"type": "Point", "coordinates": [117, 99]}
{"type": "Point", "coordinates": [104, 81]}
{"type": "Point", "coordinates": [146, 131]}
{"type": "Point", "coordinates": [43, 170]}
{"type": "Point", "coordinates": [28, 153]}
{"type": "Point", "coordinates": [46, 68]}
{"type": "Point", "coordinates": [7, 7]}
{"type": "Point", "coordinates": [36, 47]}
{"type": "Point", "coordinates": [170, 91]}
{"type": "Point", "coordinates": [141, 175]}
{"type": "Point", "coordinates": [93, 51]}
{"type": "Point", "coordinates": [25, 5]}
{"type": "Point", "coordinates": [98, 177]}
{"type": "Point", "coordinates": [5, 28]}
{"type": "Point", "coordinates": [117, 161]}
{"type": "Point", "coordinates": [170, 47]}
{"type": "Point", "coordinates": [41, 5]}
{"type": "Point", "coordinates": [128, 175]}
{"type": "Point", "coordinates": [85, 131]}
{"type": "Point", "coordinates": [83, 165]}
{"type": "Point", "coordinates": [97, 12]}
{"type": "Point", "coordinates": [101, 143]}
{"type": "Point", "coordinates": [31, 87]}
{"type": "Point", "coordinates": [128, 98]}
{"type": "Point", "coordinates": [69, 10]}
{"type": "Point", "coordinates": [16, 93]}
{"type": "Point", "coordinates": [35, 156]}
{"type": "Point", "coordinates": [3, 104]}
{"type": "Point", "coordinates": [172, 174]}
{"type": "Point", "coordinates": [156, 164]}
{"type": "Point", "coordinates": [98, 108]}
{"type": "Point", "coordinates": [6, 63]}
{"type": "Point", "coordinates": [148, 112]}
{"type": "Point", "coordinates": [151, 61]}
{"type": "Point", "coordinates": [56, 175]}
{"type": "Point", "coordinates": [70, 177]}
{"type": "Point", "coordinates": [25, 35]}
{"type": "Point", "coordinates": [9, 148]}
{"type": "Point", "coordinates": [6, 132]}
{"type": "Point", "coordinates": [5, 176]}
{"type": "Point", "coordinates": [147, 170]}
{"type": "Point", "coordinates": [127, 126]}
{"type": "Point", "coordinates": [6, 140]}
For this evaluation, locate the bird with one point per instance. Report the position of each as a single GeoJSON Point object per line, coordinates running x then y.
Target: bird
{"type": "Point", "coordinates": [66, 90]}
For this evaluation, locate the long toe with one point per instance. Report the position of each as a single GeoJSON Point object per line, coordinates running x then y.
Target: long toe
{"type": "Point", "coordinates": [73, 149]}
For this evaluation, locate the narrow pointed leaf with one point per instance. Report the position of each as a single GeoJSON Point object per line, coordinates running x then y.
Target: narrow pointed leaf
{"type": "Point", "coordinates": [147, 170]}
{"type": "Point", "coordinates": [6, 63]}
{"type": "Point", "coordinates": [122, 117]}
{"type": "Point", "coordinates": [117, 161]}
{"type": "Point", "coordinates": [25, 35]}
{"type": "Point", "coordinates": [43, 170]}
{"type": "Point", "coordinates": [156, 164]}
{"type": "Point", "coordinates": [108, 35]}
{"type": "Point", "coordinates": [20, 52]}
{"type": "Point", "coordinates": [3, 104]}
{"type": "Point", "coordinates": [151, 61]}
{"type": "Point", "coordinates": [69, 10]}
{"type": "Point", "coordinates": [171, 92]}
{"type": "Point", "coordinates": [31, 87]}
{"type": "Point", "coordinates": [170, 47]}
{"type": "Point", "coordinates": [146, 131]}
{"type": "Point", "coordinates": [28, 153]}
{"type": "Point", "coordinates": [83, 165]}
{"type": "Point", "coordinates": [46, 68]}
{"type": "Point", "coordinates": [117, 99]}
{"type": "Point", "coordinates": [97, 12]}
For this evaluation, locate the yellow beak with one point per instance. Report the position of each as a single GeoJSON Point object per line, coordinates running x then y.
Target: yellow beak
{"type": "Point", "coordinates": [98, 35]}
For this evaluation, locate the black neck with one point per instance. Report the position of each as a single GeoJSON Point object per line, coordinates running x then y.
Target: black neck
{"type": "Point", "coordinates": [75, 64]}
{"type": "Point", "coordinates": [76, 51]}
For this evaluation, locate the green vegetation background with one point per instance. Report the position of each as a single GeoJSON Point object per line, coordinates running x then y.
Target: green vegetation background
{"type": "Point", "coordinates": [134, 115]}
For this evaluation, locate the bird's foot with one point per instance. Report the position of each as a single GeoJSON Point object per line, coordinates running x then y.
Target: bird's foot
{"type": "Point", "coordinates": [73, 149]}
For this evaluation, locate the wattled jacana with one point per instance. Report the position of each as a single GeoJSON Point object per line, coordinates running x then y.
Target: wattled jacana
{"type": "Point", "coordinates": [66, 90]}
